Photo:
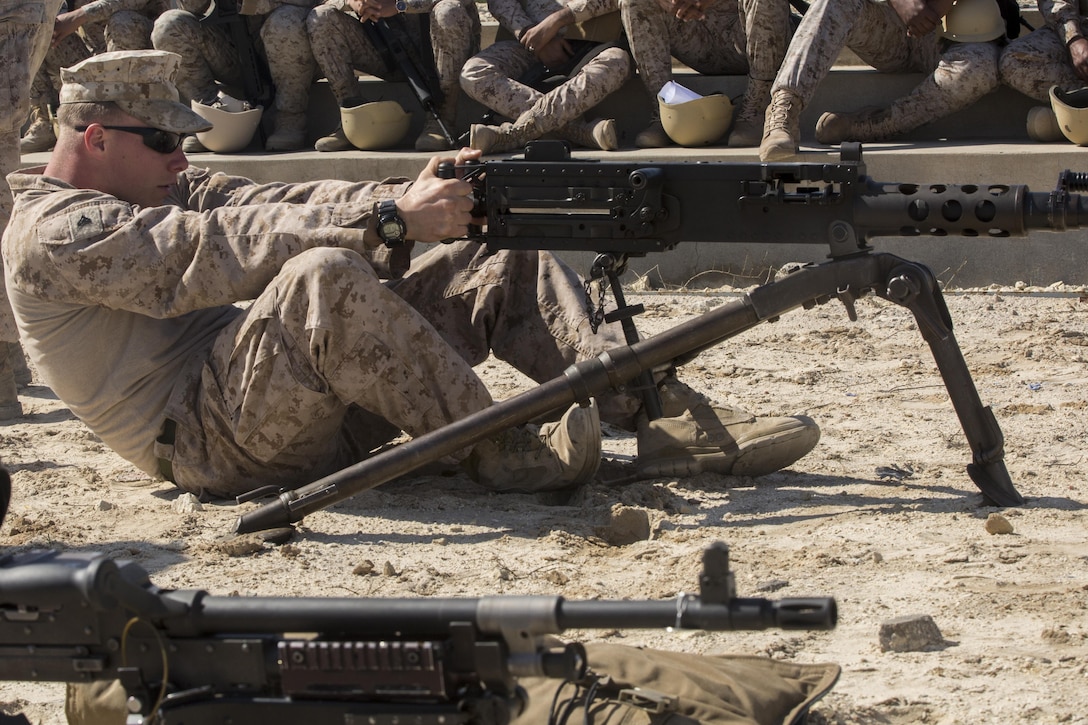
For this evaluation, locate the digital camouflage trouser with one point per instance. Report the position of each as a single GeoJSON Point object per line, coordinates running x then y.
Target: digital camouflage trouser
{"type": "Point", "coordinates": [329, 363]}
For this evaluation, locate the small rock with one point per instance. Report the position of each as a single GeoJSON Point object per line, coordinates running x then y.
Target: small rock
{"type": "Point", "coordinates": [772, 585]}
{"type": "Point", "coordinates": [388, 569]}
{"type": "Point", "coordinates": [364, 569]}
{"type": "Point", "coordinates": [998, 524]}
{"type": "Point", "coordinates": [241, 546]}
{"type": "Point", "coordinates": [912, 633]}
{"type": "Point", "coordinates": [626, 525]}
{"type": "Point", "coordinates": [105, 506]}
{"type": "Point", "coordinates": [187, 503]}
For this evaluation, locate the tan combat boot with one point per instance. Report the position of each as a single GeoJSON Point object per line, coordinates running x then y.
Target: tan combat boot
{"type": "Point", "coordinates": [431, 137]}
{"type": "Point", "coordinates": [598, 134]}
{"type": "Point", "coordinates": [697, 435]}
{"type": "Point", "coordinates": [192, 145]}
{"type": "Point", "coordinates": [782, 129]}
{"type": "Point", "coordinates": [557, 455]}
{"type": "Point", "coordinates": [10, 407]}
{"type": "Point", "coordinates": [335, 141]}
{"type": "Point", "coordinates": [868, 124]}
{"type": "Point", "coordinates": [39, 135]}
{"type": "Point", "coordinates": [20, 369]}
{"type": "Point", "coordinates": [507, 137]}
{"type": "Point", "coordinates": [653, 136]}
{"type": "Point", "coordinates": [748, 123]}
{"type": "Point", "coordinates": [288, 133]}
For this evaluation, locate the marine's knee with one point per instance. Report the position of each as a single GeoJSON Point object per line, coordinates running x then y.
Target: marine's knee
{"type": "Point", "coordinates": [173, 27]}
{"type": "Point", "coordinates": [286, 21]}
{"type": "Point", "coordinates": [473, 73]}
{"type": "Point", "coordinates": [320, 17]}
{"type": "Point", "coordinates": [323, 263]}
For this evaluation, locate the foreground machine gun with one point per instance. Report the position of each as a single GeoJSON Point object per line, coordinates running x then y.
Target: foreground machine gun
{"type": "Point", "coordinates": [622, 209]}
{"type": "Point", "coordinates": [188, 657]}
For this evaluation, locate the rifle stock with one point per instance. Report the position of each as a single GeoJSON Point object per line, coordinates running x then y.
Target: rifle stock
{"type": "Point", "coordinates": [187, 656]}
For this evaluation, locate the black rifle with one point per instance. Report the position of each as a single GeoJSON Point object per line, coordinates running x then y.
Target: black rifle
{"type": "Point", "coordinates": [256, 78]}
{"type": "Point", "coordinates": [393, 42]}
{"type": "Point", "coordinates": [625, 209]}
{"type": "Point", "coordinates": [189, 657]}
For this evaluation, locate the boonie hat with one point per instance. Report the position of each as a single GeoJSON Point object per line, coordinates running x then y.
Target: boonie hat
{"type": "Point", "coordinates": [140, 82]}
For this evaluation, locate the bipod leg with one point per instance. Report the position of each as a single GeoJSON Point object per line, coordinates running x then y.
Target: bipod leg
{"type": "Point", "coordinates": [913, 286]}
{"type": "Point", "coordinates": [611, 266]}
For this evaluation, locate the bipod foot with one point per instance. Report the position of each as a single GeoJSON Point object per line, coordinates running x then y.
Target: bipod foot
{"type": "Point", "coordinates": [994, 482]}
{"type": "Point", "coordinates": [913, 286]}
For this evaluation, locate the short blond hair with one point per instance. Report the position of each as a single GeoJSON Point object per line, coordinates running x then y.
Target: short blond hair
{"type": "Point", "coordinates": [84, 114]}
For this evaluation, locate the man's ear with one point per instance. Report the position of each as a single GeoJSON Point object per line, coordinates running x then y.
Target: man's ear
{"type": "Point", "coordinates": [94, 138]}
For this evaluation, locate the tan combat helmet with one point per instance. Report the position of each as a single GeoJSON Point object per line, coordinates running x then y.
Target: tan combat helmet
{"type": "Point", "coordinates": [973, 21]}
{"type": "Point", "coordinates": [699, 122]}
{"type": "Point", "coordinates": [374, 126]}
{"type": "Point", "coordinates": [233, 124]}
{"type": "Point", "coordinates": [1071, 110]}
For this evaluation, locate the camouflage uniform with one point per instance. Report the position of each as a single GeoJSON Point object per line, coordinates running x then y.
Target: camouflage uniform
{"type": "Point", "coordinates": [128, 315]}
{"type": "Point", "coordinates": [342, 47]}
{"type": "Point", "coordinates": [959, 73]}
{"type": "Point", "coordinates": [1034, 62]}
{"type": "Point", "coordinates": [109, 25]}
{"type": "Point", "coordinates": [737, 36]}
{"type": "Point", "coordinates": [278, 28]}
{"type": "Point", "coordinates": [120, 24]}
{"type": "Point", "coordinates": [24, 36]}
{"type": "Point", "coordinates": [491, 77]}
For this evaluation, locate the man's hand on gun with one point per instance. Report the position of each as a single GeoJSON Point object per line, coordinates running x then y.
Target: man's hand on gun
{"type": "Point", "coordinates": [437, 208]}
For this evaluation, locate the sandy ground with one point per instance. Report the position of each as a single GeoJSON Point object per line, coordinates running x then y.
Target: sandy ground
{"type": "Point", "coordinates": [881, 515]}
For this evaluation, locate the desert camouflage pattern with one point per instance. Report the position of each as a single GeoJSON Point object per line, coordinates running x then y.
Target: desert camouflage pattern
{"type": "Point", "coordinates": [278, 33]}
{"type": "Point", "coordinates": [45, 89]}
{"type": "Point", "coordinates": [120, 24]}
{"type": "Point", "coordinates": [747, 37]}
{"type": "Point", "coordinates": [341, 47]}
{"type": "Point", "coordinates": [139, 82]}
{"type": "Point", "coordinates": [491, 78]}
{"type": "Point", "coordinates": [959, 73]}
{"type": "Point", "coordinates": [24, 35]}
{"type": "Point", "coordinates": [128, 315]}
{"type": "Point", "coordinates": [1038, 60]}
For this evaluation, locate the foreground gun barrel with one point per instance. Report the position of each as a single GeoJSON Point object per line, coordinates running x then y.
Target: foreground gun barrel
{"type": "Point", "coordinates": [72, 617]}
{"type": "Point", "coordinates": [431, 617]}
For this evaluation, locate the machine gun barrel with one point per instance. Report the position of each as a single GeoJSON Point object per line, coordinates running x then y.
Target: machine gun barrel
{"type": "Point", "coordinates": [548, 201]}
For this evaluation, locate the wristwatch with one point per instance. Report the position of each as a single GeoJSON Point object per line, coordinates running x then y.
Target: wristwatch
{"type": "Point", "coordinates": [401, 6]}
{"type": "Point", "coordinates": [391, 228]}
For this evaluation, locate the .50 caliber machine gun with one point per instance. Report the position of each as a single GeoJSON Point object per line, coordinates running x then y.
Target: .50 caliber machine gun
{"type": "Point", "coordinates": [188, 657]}
{"type": "Point", "coordinates": [622, 209]}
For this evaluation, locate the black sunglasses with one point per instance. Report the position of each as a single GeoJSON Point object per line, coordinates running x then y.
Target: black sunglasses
{"type": "Point", "coordinates": [164, 142]}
